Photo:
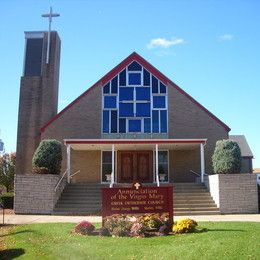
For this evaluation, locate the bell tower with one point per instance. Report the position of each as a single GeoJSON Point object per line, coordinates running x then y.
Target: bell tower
{"type": "Point", "coordinates": [39, 86]}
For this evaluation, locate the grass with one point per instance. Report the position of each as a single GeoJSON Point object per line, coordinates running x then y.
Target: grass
{"type": "Point", "coordinates": [222, 240]}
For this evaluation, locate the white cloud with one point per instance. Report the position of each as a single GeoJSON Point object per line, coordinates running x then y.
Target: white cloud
{"type": "Point", "coordinates": [226, 37]}
{"type": "Point", "coordinates": [164, 43]}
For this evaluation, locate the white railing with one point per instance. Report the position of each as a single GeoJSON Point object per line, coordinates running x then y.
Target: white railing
{"type": "Point", "coordinates": [57, 185]}
{"type": "Point", "coordinates": [74, 173]}
{"type": "Point", "coordinates": [200, 175]}
{"type": "Point", "coordinates": [64, 174]}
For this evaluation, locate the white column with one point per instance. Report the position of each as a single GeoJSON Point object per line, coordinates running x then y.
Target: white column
{"type": "Point", "coordinates": [202, 162]}
{"type": "Point", "coordinates": [157, 165]}
{"type": "Point", "coordinates": [68, 163]}
{"type": "Point", "coordinates": [113, 167]}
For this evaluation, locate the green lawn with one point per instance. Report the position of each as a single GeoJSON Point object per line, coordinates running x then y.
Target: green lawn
{"type": "Point", "coordinates": [222, 240]}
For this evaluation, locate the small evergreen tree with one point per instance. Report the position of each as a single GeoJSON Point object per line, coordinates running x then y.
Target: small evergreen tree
{"type": "Point", "coordinates": [226, 157]}
{"type": "Point", "coordinates": [47, 157]}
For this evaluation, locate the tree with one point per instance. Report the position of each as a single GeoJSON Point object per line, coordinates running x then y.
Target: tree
{"type": "Point", "coordinates": [7, 168]}
{"type": "Point", "coordinates": [226, 157]}
{"type": "Point", "coordinates": [47, 157]}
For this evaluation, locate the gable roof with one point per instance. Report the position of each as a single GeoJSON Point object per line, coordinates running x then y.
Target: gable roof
{"type": "Point", "coordinates": [134, 57]}
{"type": "Point", "coordinates": [244, 147]}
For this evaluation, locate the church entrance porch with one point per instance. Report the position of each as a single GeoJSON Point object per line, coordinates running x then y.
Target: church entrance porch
{"type": "Point", "coordinates": [124, 161]}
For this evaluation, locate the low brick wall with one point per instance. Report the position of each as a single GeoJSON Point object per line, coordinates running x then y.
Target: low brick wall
{"type": "Point", "coordinates": [34, 193]}
{"type": "Point", "coordinates": [234, 193]}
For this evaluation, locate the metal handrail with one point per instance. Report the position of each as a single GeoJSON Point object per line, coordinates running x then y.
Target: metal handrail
{"type": "Point", "coordinates": [57, 185]}
{"type": "Point", "coordinates": [198, 174]}
{"type": "Point", "coordinates": [74, 173]}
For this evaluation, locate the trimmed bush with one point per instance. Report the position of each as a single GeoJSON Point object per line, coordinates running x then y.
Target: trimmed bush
{"type": "Point", "coordinates": [84, 228]}
{"type": "Point", "coordinates": [47, 157]}
{"type": "Point", "coordinates": [7, 200]}
{"type": "Point", "coordinates": [184, 226]}
{"type": "Point", "coordinates": [226, 157]}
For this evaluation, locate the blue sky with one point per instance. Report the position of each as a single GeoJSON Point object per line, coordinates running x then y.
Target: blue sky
{"type": "Point", "coordinates": [209, 48]}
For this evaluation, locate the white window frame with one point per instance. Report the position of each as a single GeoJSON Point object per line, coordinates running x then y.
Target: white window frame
{"type": "Point", "coordinates": [101, 167]}
{"type": "Point", "coordinates": [154, 177]}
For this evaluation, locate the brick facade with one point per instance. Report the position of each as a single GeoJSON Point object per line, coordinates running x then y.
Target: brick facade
{"type": "Point", "coordinates": [38, 103]}
{"type": "Point", "coordinates": [89, 164]}
{"type": "Point", "coordinates": [186, 120]}
{"type": "Point", "coordinates": [234, 193]}
{"type": "Point", "coordinates": [35, 194]}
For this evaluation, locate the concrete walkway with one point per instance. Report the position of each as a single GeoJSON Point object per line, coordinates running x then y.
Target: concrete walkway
{"type": "Point", "coordinates": [28, 219]}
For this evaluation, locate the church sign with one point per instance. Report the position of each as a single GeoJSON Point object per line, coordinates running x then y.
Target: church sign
{"type": "Point", "coordinates": [137, 200]}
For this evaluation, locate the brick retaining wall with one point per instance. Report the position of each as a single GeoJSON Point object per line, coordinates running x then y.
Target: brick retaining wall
{"type": "Point", "coordinates": [34, 193]}
{"type": "Point", "coordinates": [234, 193]}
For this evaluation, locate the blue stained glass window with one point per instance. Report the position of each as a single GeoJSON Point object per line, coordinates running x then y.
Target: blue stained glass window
{"type": "Point", "coordinates": [134, 125]}
{"type": "Point", "coordinates": [114, 85]}
{"type": "Point", "coordinates": [154, 85]}
{"type": "Point", "coordinates": [162, 88]}
{"type": "Point", "coordinates": [159, 101]}
{"type": "Point", "coordinates": [155, 114]}
{"type": "Point", "coordinates": [106, 89]}
{"type": "Point", "coordinates": [122, 125]}
{"type": "Point", "coordinates": [126, 94]}
{"type": "Point", "coordinates": [105, 121]}
{"type": "Point", "coordinates": [109, 101]}
{"type": "Point", "coordinates": [146, 78]}
{"type": "Point", "coordinates": [134, 66]}
{"type": "Point", "coordinates": [147, 125]}
{"type": "Point", "coordinates": [126, 109]}
{"type": "Point", "coordinates": [134, 101]}
{"type": "Point", "coordinates": [113, 121]}
{"type": "Point", "coordinates": [122, 78]}
{"type": "Point", "coordinates": [134, 78]}
{"type": "Point", "coordinates": [143, 109]}
{"type": "Point", "coordinates": [163, 119]}
{"type": "Point", "coordinates": [143, 94]}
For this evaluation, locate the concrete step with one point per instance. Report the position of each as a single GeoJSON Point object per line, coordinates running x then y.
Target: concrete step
{"type": "Point", "coordinates": [78, 204]}
{"type": "Point", "coordinates": [186, 208]}
{"type": "Point", "coordinates": [82, 199]}
{"type": "Point", "coordinates": [195, 205]}
{"type": "Point", "coordinates": [196, 213]}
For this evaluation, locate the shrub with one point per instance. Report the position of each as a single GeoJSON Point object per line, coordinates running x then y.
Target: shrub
{"type": "Point", "coordinates": [40, 170]}
{"type": "Point", "coordinates": [104, 232]}
{"type": "Point", "coordinates": [7, 200]}
{"type": "Point", "coordinates": [48, 157]}
{"type": "Point", "coordinates": [152, 221]}
{"type": "Point", "coordinates": [138, 230]}
{"type": "Point", "coordinates": [226, 157]}
{"type": "Point", "coordinates": [120, 231]}
{"type": "Point", "coordinates": [184, 226]}
{"type": "Point", "coordinates": [118, 225]}
{"type": "Point", "coordinates": [84, 228]}
{"type": "Point", "coordinates": [164, 230]}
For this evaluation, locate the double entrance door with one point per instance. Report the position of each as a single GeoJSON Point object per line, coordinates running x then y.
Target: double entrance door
{"type": "Point", "coordinates": [135, 166]}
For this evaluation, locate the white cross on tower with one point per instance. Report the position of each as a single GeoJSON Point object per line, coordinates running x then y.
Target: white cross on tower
{"type": "Point", "coordinates": [49, 16]}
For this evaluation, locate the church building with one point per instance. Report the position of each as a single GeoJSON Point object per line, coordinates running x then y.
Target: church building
{"type": "Point", "coordinates": [133, 124]}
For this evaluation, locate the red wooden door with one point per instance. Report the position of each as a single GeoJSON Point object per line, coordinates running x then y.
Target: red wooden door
{"type": "Point", "coordinates": [126, 167]}
{"type": "Point", "coordinates": [134, 166]}
{"type": "Point", "coordinates": [144, 166]}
